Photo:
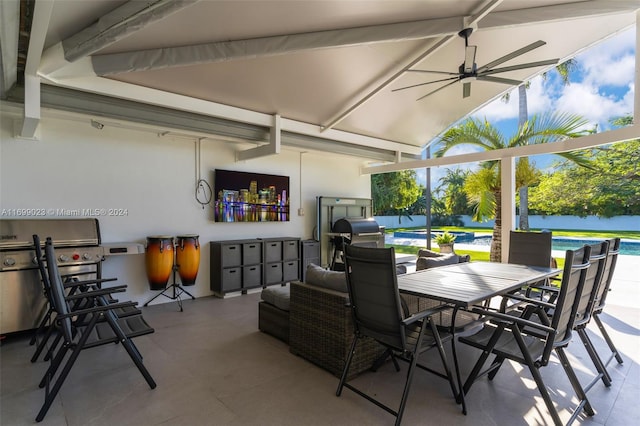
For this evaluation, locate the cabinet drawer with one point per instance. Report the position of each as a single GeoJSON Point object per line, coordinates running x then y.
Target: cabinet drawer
{"type": "Point", "coordinates": [251, 253]}
{"type": "Point", "coordinates": [273, 273]}
{"type": "Point", "coordinates": [310, 248]}
{"type": "Point", "coordinates": [272, 251]}
{"type": "Point", "coordinates": [231, 279]}
{"type": "Point", "coordinates": [290, 270]}
{"type": "Point", "coordinates": [290, 250]}
{"type": "Point", "coordinates": [252, 276]}
{"type": "Point", "coordinates": [231, 255]}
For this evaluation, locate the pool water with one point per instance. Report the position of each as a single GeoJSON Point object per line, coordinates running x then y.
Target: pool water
{"type": "Point", "coordinates": [627, 247]}
{"type": "Point", "coordinates": [559, 243]}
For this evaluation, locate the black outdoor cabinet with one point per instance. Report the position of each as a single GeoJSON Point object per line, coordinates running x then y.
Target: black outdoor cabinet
{"type": "Point", "coordinates": [310, 254]}
{"type": "Point", "coordinates": [240, 265]}
{"type": "Point", "coordinates": [236, 265]}
{"type": "Point", "coordinates": [281, 260]}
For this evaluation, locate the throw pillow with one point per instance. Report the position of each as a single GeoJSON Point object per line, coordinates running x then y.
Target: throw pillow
{"type": "Point", "coordinates": [428, 253]}
{"type": "Point", "coordinates": [433, 262]}
{"type": "Point", "coordinates": [333, 280]}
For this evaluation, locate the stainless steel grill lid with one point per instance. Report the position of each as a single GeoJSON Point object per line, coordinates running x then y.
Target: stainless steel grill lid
{"type": "Point", "coordinates": [17, 234]}
{"type": "Point", "coordinates": [357, 226]}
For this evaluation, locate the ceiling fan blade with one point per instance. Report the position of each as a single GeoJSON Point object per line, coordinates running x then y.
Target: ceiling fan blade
{"type": "Point", "coordinates": [499, 80]}
{"type": "Point", "coordinates": [437, 90]}
{"type": "Point", "coordinates": [521, 66]}
{"type": "Point", "coordinates": [469, 58]}
{"type": "Point", "coordinates": [428, 82]}
{"type": "Point", "coordinates": [466, 90]}
{"type": "Point", "coordinates": [435, 72]}
{"type": "Point", "coordinates": [512, 55]}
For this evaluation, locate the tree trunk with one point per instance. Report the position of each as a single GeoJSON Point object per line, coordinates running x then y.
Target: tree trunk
{"type": "Point", "coordinates": [524, 208]}
{"type": "Point", "coordinates": [496, 241]}
{"type": "Point", "coordinates": [523, 116]}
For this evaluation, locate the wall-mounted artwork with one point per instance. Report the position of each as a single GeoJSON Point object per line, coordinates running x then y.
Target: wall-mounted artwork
{"type": "Point", "coordinates": [250, 197]}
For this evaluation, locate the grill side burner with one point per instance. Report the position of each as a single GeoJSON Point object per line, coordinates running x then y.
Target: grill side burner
{"type": "Point", "coordinates": [22, 302]}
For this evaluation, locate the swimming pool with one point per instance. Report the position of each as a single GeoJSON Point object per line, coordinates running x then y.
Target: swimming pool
{"type": "Point", "coordinates": [627, 247]}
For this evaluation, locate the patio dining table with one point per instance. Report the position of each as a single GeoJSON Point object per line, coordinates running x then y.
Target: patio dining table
{"type": "Point", "coordinates": [464, 285]}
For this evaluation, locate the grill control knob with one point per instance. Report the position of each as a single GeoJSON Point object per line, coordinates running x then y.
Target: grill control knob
{"type": "Point", "coordinates": [86, 256]}
{"type": "Point", "coordinates": [63, 258]}
{"type": "Point", "coordinates": [9, 261]}
{"type": "Point", "coordinates": [34, 260]}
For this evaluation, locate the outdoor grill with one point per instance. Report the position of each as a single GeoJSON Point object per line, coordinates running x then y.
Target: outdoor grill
{"type": "Point", "coordinates": [363, 232]}
{"type": "Point", "coordinates": [79, 254]}
{"type": "Point", "coordinates": [360, 232]}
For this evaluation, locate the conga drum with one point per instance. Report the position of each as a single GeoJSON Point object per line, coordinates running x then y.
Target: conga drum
{"type": "Point", "coordinates": [159, 260]}
{"type": "Point", "coordinates": [187, 258]}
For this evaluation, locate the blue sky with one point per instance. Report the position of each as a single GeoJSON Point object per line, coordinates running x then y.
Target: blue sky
{"type": "Point", "coordinates": [601, 88]}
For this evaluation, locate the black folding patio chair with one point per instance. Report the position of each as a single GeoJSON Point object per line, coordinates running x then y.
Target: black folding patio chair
{"type": "Point", "coordinates": [92, 325]}
{"type": "Point", "coordinates": [592, 292]}
{"type": "Point", "coordinates": [378, 314]}
{"type": "Point", "coordinates": [596, 306]}
{"type": "Point", "coordinates": [532, 249]}
{"type": "Point", "coordinates": [72, 285]}
{"type": "Point", "coordinates": [531, 343]}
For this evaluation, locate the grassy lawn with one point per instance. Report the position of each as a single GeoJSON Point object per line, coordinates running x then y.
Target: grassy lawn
{"type": "Point", "coordinates": [633, 235]}
{"type": "Point", "coordinates": [484, 255]}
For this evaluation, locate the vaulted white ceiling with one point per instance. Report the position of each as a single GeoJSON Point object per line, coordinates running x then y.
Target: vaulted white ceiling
{"type": "Point", "coordinates": [326, 68]}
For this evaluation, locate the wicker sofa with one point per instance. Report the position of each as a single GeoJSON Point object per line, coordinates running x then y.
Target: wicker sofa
{"type": "Point", "coordinates": [317, 322]}
{"type": "Point", "coordinates": [321, 330]}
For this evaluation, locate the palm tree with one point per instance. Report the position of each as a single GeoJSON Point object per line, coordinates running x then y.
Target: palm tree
{"type": "Point", "coordinates": [564, 71]}
{"type": "Point", "coordinates": [483, 186]}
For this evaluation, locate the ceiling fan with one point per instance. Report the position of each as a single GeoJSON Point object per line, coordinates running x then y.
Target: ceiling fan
{"type": "Point", "coordinates": [470, 71]}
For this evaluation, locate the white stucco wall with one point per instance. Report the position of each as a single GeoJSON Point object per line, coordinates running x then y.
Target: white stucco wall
{"type": "Point", "coordinates": [618, 223]}
{"type": "Point", "coordinates": [75, 166]}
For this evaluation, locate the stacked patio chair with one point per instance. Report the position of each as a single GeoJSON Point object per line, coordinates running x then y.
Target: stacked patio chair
{"type": "Point", "coordinates": [378, 314]}
{"type": "Point", "coordinates": [596, 306]}
{"type": "Point", "coordinates": [72, 285]}
{"type": "Point", "coordinates": [93, 323]}
{"type": "Point", "coordinates": [597, 284]}
{"type": "Point", "coordinates": [531, 343]}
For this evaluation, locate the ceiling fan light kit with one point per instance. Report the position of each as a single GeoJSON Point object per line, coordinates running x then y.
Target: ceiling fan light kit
{"type": "Point", "coordinates": [469, 70]}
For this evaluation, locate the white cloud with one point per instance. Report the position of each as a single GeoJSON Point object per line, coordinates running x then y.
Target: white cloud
{"type": "Point", "coordinates": [611, 62]}
{"type": "Point", "coordinates": [602, 87]}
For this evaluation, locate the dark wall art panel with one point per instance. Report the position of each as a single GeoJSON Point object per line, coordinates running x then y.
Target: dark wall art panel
{"type": "Point", "coordinates": [250, 197]}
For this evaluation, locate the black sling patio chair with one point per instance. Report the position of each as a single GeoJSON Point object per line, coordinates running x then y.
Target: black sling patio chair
{"type": "Point", "coordinates": [596, 307]}
{"type": "Point", "coordinates": [532, 249]}
{"type": "Point", "coordinates": [593, 287]}
{"type": "Point", "coordinates": [531, 343]}
{"type": "Point", "coordinates": [378, 314]}
{"type": "Point", "coordinates": [92, 325]}
{"type": "Point", "coordinates": [72, 285]}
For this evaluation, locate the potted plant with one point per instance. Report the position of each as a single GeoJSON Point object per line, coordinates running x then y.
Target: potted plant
{"type": "Point", "coordinates": [445, 241]}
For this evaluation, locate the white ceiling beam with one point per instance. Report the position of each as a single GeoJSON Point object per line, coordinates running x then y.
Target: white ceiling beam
{"type": "Point", "coordinates": [108, 29]}
{"type": "Point", "coordinates": [39, 26]}
{"type": "Point", "coordinates": [273, 147]}
{"type": "Point", "coordinates": [557, 12]}
{"type": "Point", "coordinates": [10, 11]}
{"type": "Point", "coordinates": [142, 60]}
{"type": "Point", "coordinates": [152, 96]}
{"type": "Point", "coordinates": [589, 141]}
{"type": "Point", "coordinates": [426, 51]}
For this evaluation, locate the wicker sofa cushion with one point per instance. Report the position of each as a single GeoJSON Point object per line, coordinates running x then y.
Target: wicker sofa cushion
{"type": "Point", "coordinates": [277, 296]}
{"type": "Point", "coordinates": [333, 280]}
{"type": "Point", "coordinates": [431, 259]}
{"type": "Point", "coordinates": [432, 262]}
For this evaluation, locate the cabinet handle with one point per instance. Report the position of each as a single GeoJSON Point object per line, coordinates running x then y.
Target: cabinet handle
{"type": "Point", "coordinates": [233, 271]}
